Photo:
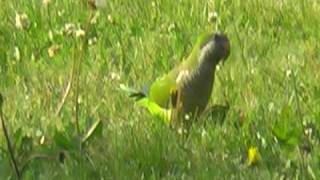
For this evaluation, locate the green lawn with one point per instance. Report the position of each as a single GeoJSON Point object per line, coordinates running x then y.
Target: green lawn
{"type": "Point", "coordinates": [271, 82]}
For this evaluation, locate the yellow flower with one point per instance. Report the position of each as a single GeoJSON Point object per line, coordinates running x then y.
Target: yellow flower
{"type": "Point", "coordinates": [253, 156]}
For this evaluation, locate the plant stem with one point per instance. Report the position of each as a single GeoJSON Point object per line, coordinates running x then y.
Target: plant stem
{"type": "Point", "coordinates": [9, 145]}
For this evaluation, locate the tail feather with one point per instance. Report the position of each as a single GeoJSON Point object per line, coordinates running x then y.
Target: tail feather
{"type": "Point", "coordinates": [155, 110]}
{"type": "Point", "coordinates": [143, 101]}
{"type": "Point", "coordinates": [137, 95]}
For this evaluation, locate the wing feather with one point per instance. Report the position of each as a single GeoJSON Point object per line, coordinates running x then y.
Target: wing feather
{"type": "Point", "coordinates": [160, 90]}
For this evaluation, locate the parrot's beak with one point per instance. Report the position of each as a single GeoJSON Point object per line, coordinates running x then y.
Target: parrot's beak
{"type": "Point", "coordinates": [226, 47]}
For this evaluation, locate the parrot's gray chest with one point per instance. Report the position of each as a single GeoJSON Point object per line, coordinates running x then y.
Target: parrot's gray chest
{"type": "Point", "coordinates": [196, 90]}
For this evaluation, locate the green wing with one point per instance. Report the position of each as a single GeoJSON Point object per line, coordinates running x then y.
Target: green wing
{"type": "Point", "coordinates": [160, 90]}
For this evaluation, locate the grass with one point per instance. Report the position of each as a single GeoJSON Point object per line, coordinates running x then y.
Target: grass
{"type": "Point", "coordinates": [271, 81]}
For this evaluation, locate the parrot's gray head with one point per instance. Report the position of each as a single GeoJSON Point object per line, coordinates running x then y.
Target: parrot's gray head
{"type": "Point", "coordinates": [216, 48]}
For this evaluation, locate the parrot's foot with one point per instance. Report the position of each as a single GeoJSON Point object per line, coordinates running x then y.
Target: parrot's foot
{"type": "Point", "coordinates": [216, 113]}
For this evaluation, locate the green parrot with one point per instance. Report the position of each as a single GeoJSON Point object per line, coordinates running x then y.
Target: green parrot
{"type": "Point", "coordinates": [184, 92]}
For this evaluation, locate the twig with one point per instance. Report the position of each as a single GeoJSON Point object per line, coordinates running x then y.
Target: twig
{"type": "Point", "coordinates": [9, 145]}
{"type": "Point", "coordinates": [65, 95]}
{"type": "Point", "coordinates": [68, 88]}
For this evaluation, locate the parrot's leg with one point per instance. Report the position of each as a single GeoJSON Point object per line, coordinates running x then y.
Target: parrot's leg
{"type": "Point", "coordinates": [174, 101]}
{"type": "Point", "coordinates": [173, 97]}
{"type": "Point", "coordinates": [177, 115]}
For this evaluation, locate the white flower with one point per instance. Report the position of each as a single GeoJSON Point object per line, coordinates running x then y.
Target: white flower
{"type": "Point", "coordinates": [92, 41]}
{"type": "Point", "coordinates": [50, 34]}
{"type": "Point", "coordinates": [17, 53]}
{"type": "Point", "coordinates": [61, 13]}
{"type": "Point", "coordinates": [46, 2]}
{"type": "Point", "coordinates": [110, 19]}
{"type": "Point", "coordinates": [42, 140]}
{"type": "Point", "coordinates": [101, 3]}
{"type": "Point", "coordinates": [79, 100]}
{"type": "Point", "coordinates": [95, 18]}
{"type": "Point", "coordinates": [114, 76]}
{"type": "Point", "coordinates": [288, 73]}
{"type": "Point", "coordinates": [252, 71]}
{"type": "Point", "coordinates": [271, 106]}
{"type": "Point", "coordinates": [218, 67]}
{"type": "Point", "coordinates": [69, 28]}
{"type": "Point", "coordinates": [33, 58]}
{"type": "Point", "coordinates": [171, 27]}
{"type": "Point", "coordinates": [53, 50]}
{"type": "Point", "coordinates": [212, 16]}
{"type": "Point", "coordinates": [22, 21]}
{"type": "Point", "coordinates": [203, 132]}
{"type": "Point", "coordinates": [187, 117]}
{"type": "Point", "coordinates": [80, 33]}
{"type": "Point", "coordinates": [153, 4]}
{"type": "Point", "coordinates": [263, 141]}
